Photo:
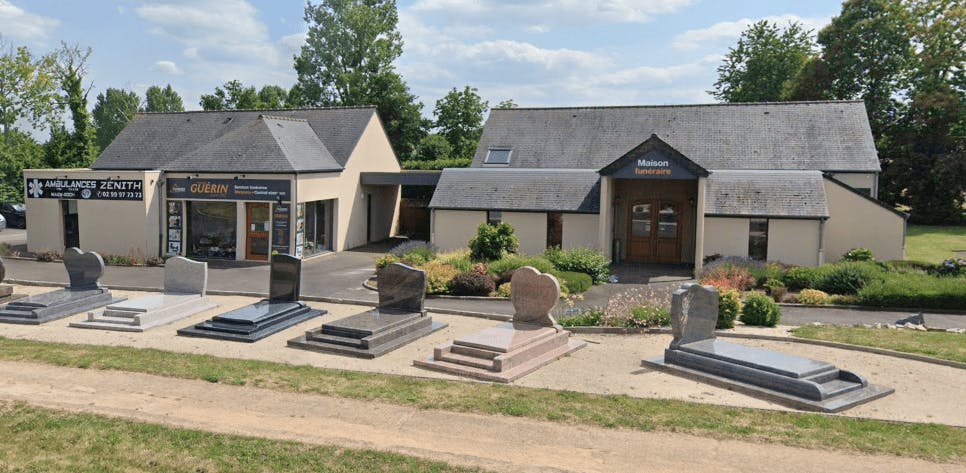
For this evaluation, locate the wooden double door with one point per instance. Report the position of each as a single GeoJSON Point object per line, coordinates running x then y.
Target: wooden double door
{"type": "Point", "coordinates": [654, 231]}
{"type": "Point", "coordinates": [258, 220]}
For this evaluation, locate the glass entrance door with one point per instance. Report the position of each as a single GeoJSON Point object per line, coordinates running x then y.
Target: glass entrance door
{"type": "Point", "coordinates": [654, 233]}
{"type": "Point", "coordinates": [258, 225]}
{"type": "Point", "coordinates": [71, 224]}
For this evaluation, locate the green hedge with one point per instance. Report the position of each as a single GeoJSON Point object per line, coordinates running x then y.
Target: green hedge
{"type": "Point", "coordinates": [436, 164]}
{"type": "Point", "coordinates": [576, 282]}
{"type": "Point", "coordinates": [582, 260]}
{"type": "Point", "coordinates": [917, 291]}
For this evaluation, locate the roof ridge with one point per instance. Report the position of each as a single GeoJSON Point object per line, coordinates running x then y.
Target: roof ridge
{"type": "Point", "coordinates": [719, 104]}
{"type": "Point", "coordinates": [276, 117]}
{"type": "Point", "coordinates": [346, 107]}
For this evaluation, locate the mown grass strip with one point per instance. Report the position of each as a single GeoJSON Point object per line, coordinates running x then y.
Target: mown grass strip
{"type": "Point", "coordinates": [37, 439]}
{"type": "Point", "coordinates": [927, 441]}
{"type": "Point", "coordinates": [944, 345]}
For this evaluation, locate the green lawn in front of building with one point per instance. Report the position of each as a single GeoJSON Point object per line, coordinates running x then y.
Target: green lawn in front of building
{"type": "Point", "coordinates": [933, 244]}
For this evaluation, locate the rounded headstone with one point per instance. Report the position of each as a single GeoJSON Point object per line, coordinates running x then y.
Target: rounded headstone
{"type": "Point", "coordinates": [534, 295]}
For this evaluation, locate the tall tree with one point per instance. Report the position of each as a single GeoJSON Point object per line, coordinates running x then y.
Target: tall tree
{"type": "Point", "coordinates": [347, 60]}
{"type": "Point", "coordinates": [272, 96]}
{"type": "Point", "coordinates": [459, 118]}
{"type": "Point", "coordinates": [19, 151]}
{"type": "Point", "coordinates": [71, 69]}
{"type": "Point", "coordinates": [112, 110]}
{"type": "Point", "coordinates": [162, 100]}
{"type": "Point", "coordinates": [234, 96]}
{"type": "Point", "coordinates": [28, 88]}
{"type": "Point", "coordinates": [508, 103]}
{"type": "Point", "coordinates": [764, 64]}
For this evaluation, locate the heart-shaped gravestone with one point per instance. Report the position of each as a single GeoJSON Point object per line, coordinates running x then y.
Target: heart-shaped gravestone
{"type": "Point", "coordinates": [694, 313]}
{"type": "Point", "coordinates": [83, 269]}
{"type": "Point", "coordinates": [534, 294]}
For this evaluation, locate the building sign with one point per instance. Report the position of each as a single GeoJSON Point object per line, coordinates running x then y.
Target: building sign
{"type": "Point", "coordinates": [175, 226]}
{"type": "Point", "coordinates": [228, 189]}
{"type": "Point", "coordinates": [653, 165]}
{"type": "Point", "coordinates": [281, 227]}
{"type": "Point", "coordinates": [84, 189]}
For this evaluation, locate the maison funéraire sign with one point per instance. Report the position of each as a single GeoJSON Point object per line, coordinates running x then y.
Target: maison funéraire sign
{"type": "Point", "coordinates": [653, 165]}
{"type": "Point", "coordinates": [228, 189]}
{"type": "Point", "coordinates": [84, 189]}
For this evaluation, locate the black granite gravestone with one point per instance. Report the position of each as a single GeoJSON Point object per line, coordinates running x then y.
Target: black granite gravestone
{"type": "Point", "coordinates": [399, 319]}
{"type": "Point", "coordinates": [83, 293]}
{"type": "Point", "coordinates": [254, 322]}
{"type": "Point", "coordinates": [791, 380]}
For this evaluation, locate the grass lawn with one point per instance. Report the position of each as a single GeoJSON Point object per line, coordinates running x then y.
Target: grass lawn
{"type": "Point", "coordinates": [948, 346]}
{"type": "Point", "coordinates": [933, 244]}
{"type": "Point", "coordinates": [927, 441]}
{"type": "Point", "coordinates": [36, 439]}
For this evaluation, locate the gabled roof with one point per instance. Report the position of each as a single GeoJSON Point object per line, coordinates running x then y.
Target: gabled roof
{"type": "Point", "coordinates": [820, 136]}
{"type": "Point", "coordinates": [544, 190]}
{"type": "Point", "coordinates": [152, 140]}
{"type": "Point", "coordinates": [654, 143]}
{"type": "Point", "coordinates": [789, 194]}
{"type": "Point", "coordinates": [268, 144]}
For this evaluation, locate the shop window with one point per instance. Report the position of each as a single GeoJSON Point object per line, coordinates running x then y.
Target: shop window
{"type": "Point", "coordinates": [866, 191]}
{"type": "Point", "coordinates": [667, 220]}
{"type": "Point", "coordinates": [498, 156]}
{"type": "Point", "coordinates": [494, 217]}
{"type": "Point", "coordinates": [318, 217]}
{"type": "Point", "coordinates": [758, 239]}
{"type": "Point", "coordinates": [554, 229]}
{"type": "Point", "coordinates": [211, 229]}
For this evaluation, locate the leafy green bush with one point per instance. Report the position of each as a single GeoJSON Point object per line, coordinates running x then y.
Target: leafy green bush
{"type": "Point", "coordinates": [511, 262]}
{"type": "Point", "coordinates": [804, 277]}
{"type": "Point", "coordinates": [729, 306]}
{"type": "Point", "coordinates": [438, 276]}
{"type": "Point", "coordinates": [767, 272]}
{"type": "Point", "coordinates": [839, 299]}
{"type": "Point", "coordinates": [760, 310]}
{"type": "Point", "coordinates": [436, 164]}
{"type": "Point", "coordinates": [493, 241]}
{"type": "Point", "coordinates": [583, 318]}
{"type": "Point", "coordinates": [386, 260]}
{"type": "Point", "coordinates": [813, 297]}
{"type": "Point", "coordinates": [847, 278]}
{"type": "Point", "coordinates": [917, 291]}
{"type": "Point", "coordinates": [910, 266]}
{"type": "Point", "coordinates": [776, 289]}
{"type": "Point", "coordinates": [858, 254]}
{"type": "Point", "coordinates": [576, 282]}
{"type": "Point", "coordinates": [504, 290]}
{"type": "Point", "coordinates": [648, 316]}
{"type": "Point", "coordinates": [471, 284]}
{"type": "Point", "coordinates": [459, 259]}
{"type": "Point", "coordinates": [582, 260]}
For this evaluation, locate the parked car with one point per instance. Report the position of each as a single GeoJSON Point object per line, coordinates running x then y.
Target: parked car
{"type": "Point", "coordinates": [16, 214]}
{"type": "Point", "coordinates": [3, 223]}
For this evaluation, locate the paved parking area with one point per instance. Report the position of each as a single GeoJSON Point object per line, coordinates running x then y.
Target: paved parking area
{"type": "Point", "coordinates": [13, 236]}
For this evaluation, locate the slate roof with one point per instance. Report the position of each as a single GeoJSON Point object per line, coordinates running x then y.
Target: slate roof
{"type": "Point", "coordinates": [553, 190]}
{"type": "Point", "coordinates": [153, 140]}
{"type": "Point", "coordinates": [820, 136]}
{"type": "Point", "coordinates": [799, 194]}
{"type": "Point", "coordinates": [268, 144]}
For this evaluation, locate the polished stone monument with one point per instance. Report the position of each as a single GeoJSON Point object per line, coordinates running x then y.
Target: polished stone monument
{"type": "Point", "coordinates": [185, 283]}
{"type": "Point", "coordinates": [83, 293]}
{"type": "Point", "coordinates": [254, 322]}
{"type": "Point", "coordinates": [399, 319]}
{"type": "Point", "coordinates": [512, 349]}
{"type": "Point", "coordinates": [797, 382]}
{"type": "Point", "coordinates": [6, 290]}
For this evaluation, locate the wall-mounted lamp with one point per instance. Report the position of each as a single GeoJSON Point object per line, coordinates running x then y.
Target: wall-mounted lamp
{"type": "Point", "coordinates": [691, 201]}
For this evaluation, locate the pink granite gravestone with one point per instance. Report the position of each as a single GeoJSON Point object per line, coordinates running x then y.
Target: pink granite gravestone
{"type": "Point", "coordinates": [534, 295]}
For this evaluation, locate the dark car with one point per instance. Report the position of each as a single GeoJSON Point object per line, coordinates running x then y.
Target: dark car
{"type": "Point", "coordinates": [16, 214]}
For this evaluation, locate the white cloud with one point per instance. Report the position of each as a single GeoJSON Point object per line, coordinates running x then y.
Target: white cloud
{"type": "Point", "coordinates": [168, 67]}
{"type": "Point", "coordinates": [726, 32]}
{"type": "Point", "coordinates": [552, 12]}
{"type": "Point", "coordinates": [20, 24]}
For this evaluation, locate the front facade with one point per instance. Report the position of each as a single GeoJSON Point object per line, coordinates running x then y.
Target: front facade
{"type": "Point", "coordinates": [237, 185]}
{"type": "Point", "coordinates": [791, 182]}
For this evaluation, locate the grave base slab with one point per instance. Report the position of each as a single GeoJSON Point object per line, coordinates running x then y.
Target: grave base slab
{"type": "Point", "coordinates": [245, 328]}
{"type": "Point", "coordinates": [147, 313]}
{"type": "Point", "coordinates": [43, 308]}
{"type": "Point", "coordinates": [369, 334]}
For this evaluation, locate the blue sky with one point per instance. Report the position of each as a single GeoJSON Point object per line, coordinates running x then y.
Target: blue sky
{"type": "Point", "coordinates": [539, 53]}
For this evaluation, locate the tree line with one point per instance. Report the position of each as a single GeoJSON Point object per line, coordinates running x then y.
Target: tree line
{"type": "Point", "coordinates": [906, 59]}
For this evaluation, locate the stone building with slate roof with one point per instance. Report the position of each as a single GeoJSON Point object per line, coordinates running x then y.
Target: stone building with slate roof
{"type": "Point", "coordinates": [791, 182]}
{"type": "Point", "coordinates": [233, 184]}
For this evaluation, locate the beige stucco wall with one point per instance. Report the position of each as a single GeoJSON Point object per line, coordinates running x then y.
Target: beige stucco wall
{"type": "Point", "coordinates": [581, 231]}
{"type": "Point", "coordinates": [453, 229]}
{"type": "Point", "coordinates": [857, 180]}
{"type": "Point", "coordinates": [855, 222]}
{"type": "Point", "coordinates": [605, 220]}
{"type": "Point", "coordinates": [531, 229]}
{"type": "Point", "coordinates": [793, 241]}
{"type": "Point", "coordinates": [126, 228]}
{"type": "Point", "coordinates": [725, 236]}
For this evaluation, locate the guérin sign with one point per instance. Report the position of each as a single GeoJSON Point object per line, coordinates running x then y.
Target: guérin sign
{"type": "Point", "coordinates": [228, 189]}
{"type": "Point", "coordinates": [84, 189]}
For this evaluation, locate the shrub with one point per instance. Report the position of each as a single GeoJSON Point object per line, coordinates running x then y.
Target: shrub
{"type": "Point", "coordinates": [471, 284]}
{"type": "Point", "coordinates": [493, 241]}
{"type": "Point", "coordinates": [728, 276]}
{"type": "Point", "coordinates": [729, 306]}
{"type": "Point", "coordinates": [423, 247]}
{"type": "Point", "coordinates": [858, 254]}
{"type": "Point", "coordinates": [576, 282]}
{"type": "Point", "coordinates": [504, 290]}
{"type": "Point", "coordinates": [513, 262]}
{"type": "Point", "coordinates": [648, 316]}
{"type": "Point", "coordinates": [583, 318]}
{"type": "Point", "coordinates": [417, 257]}
{"type": "Point", "coordinates": [154, 261]}
{"type": "Point", "coordinates": [759, 309]}
{"type": "Point", "coordinates": [804, 277]}
{"type": "Point", "coordinates": [914, 291]}
{"type": "Point", "coordinates": [459, 259]}
{"type": "Point", "coordinates": [839, 299]}
{"type": "Point", "coordinates": [620, 307]}
{"type": "Point", "coordinates": [741, 261]}
{"type": "Point", "coordinates": [813, 297]}
{"type": "Point", "coordinates": [436, 164]}
{"type": "Point", "coordinates": [48, 256]}
{"type": "Point", "coordinates": [776, 289]}
{"type": "Point", "coordinates": [766, 272]}
{"type": "Point", "coordinates": [438, 276]}
{"type": "Point", "coordinates": [582, 260]}
{"type": "Point", "coordinates": [386, 260]}
{"type": "Point", "coordinates": [846, 278]}
{"type": "Point", "coordinates": [908, 266]}
{"type": "Point", "coordinates": [117, 260]}
{"type": "Point", "coordinates": [955, 267]}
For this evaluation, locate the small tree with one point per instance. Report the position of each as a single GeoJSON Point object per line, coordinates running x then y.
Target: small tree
{"type": "Point", "coordinates": [493, 241]}
{"type": "Point", "coordinates": [459, 117]}
{"type": "Point", "coordinates": [163, 100]}
{"type": "Point", "coordinates": [434, 147]}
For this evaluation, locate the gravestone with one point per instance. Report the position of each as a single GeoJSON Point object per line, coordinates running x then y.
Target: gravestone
{"type": "Point", "coordinates": [512, 349]}
{"type": "Point", "coordinates": [6, 290]}
{"type": "Point", "coordinates": [398, 320]}
{"type": "Point", "coordinates": [278, 312]}
{"type": "Point", "coordinates": [185, 284]}
{"type": "Point", "coordinates": [83, 293]}
{"type": "Point", "coordinates": [794, 381]}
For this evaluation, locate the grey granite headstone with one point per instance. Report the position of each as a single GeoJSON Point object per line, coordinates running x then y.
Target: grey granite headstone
{"type": "Point", "coordinates": [185, 276]}
{"type": "Point", "coordinates": [3, 271]}
{"type": "Point", "coordinates": [534, 295]}
{"type": "Point", "coordinates": [83, 269]}
{"type": "Point", "coordinates": [283, 282]}
{"type": "Point", "coordinates": [402, 287]}
{"type": "Point", "coordinates": [694, 313]}
{"type": "Point", "coordinates": [5, 289]}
